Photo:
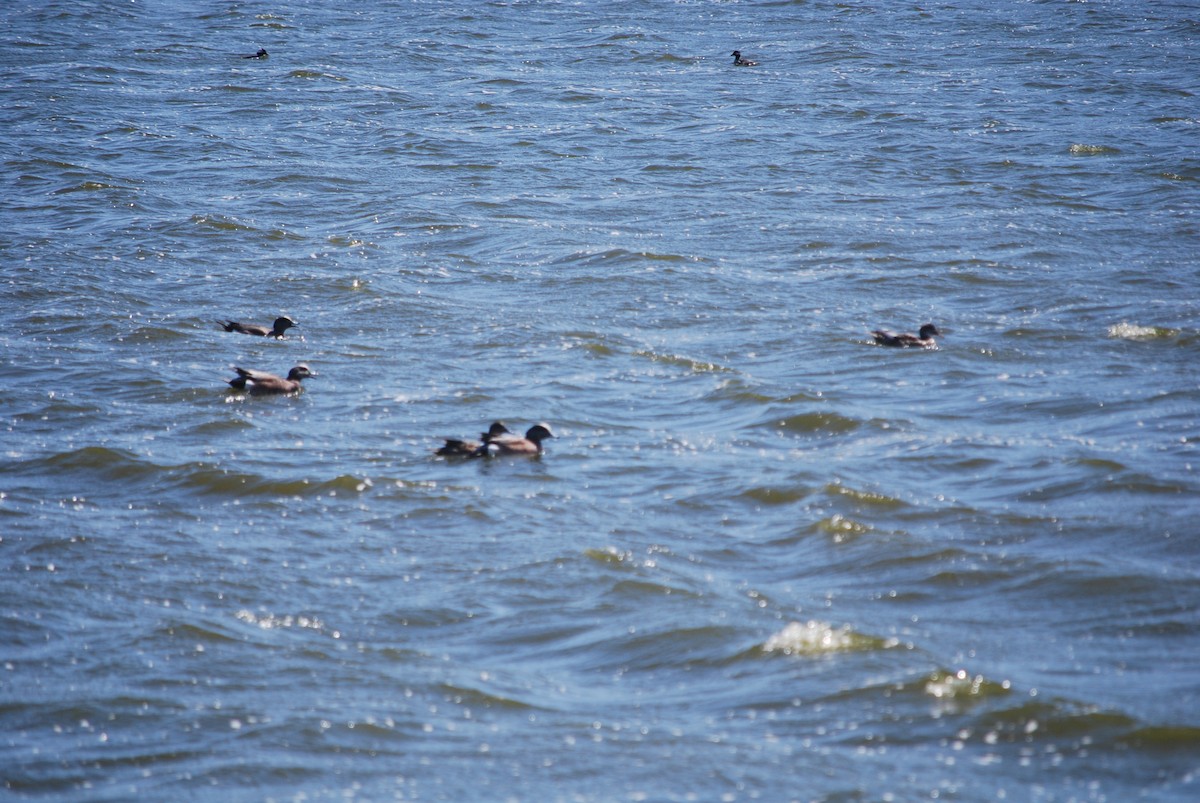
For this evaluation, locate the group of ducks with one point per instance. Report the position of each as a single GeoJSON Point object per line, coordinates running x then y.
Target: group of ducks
{"type": "Point", "coordinates": [496, 442]}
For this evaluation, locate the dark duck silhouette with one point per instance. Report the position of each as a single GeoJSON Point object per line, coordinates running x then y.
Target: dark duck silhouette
{"type": "Point", "coordinates": [498, 441]}
{"type": "Point", "coordinates": [922, 340]}
{"type": "Point", "coordinates": [738, 61]}
{"type": "Point", "coordinates": [261, 54]}
{"type": "Point", "coordinates": [276, 331]}
{"type": "Point", "coordinates": [260, 383]}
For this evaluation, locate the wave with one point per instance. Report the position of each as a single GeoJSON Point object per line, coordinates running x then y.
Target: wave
{"type": "Point", "coordinates": [1133, 331]}
{"type": "Point", "coordinates": [606, 258]}
{"type": "Point", "coordinates": [128, 469]}
{"type": "Point", "coordinates": [817, 423]}
{"type": "Point", "coordinates": [1083, 149]}
{"type": "Point", "coordinates": [815, 638]}
{"type": "Point", "coordinates": [463, 695]}
{"type": "Point", "coordinates": [681, 361]}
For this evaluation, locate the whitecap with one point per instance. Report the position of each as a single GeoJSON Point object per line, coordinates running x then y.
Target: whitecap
{"type": "Point", "coordinates": [1132, 331]}
{"type": "Point", "coordinates": [813, 638]}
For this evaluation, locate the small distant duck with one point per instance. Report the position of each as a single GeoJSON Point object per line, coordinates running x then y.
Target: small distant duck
{"type": "Point", "coordinates": [260, 383]}
{"type": "Point", "coordinates": [497, 443]}
{"type": "Point", "coordinates": [462, 448]}
{"type": "Point", "coordinates": [281, 325]}
{"type": "Point", "coordinates": [738, 61]}
{"type": "Point", "coordinates": [923, 340]}
{"type": "Point", "coordinates": [261, 54]}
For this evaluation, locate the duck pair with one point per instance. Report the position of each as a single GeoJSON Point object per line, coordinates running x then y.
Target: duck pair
{"type": "Point", "coordinates": [260, 383]}
{"type": "Point", "coordinates": [498, 441]}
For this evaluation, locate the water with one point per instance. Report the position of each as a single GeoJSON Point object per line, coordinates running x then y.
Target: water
{"type": "Point", "coordinates": [764, 559]}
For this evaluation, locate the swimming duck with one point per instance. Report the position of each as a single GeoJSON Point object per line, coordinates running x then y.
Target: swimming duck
{"type": "Point", "coordinates": [531, 444]}
{"type": "Point", "coordinates": [457, 448]}
{"type": "Point", "coordinates": [261, 54]}
{"type": "Point", "coordinates": [497, 443]}
{"type": "Point", "coordinates": [923, 340]}
{"type": "Point", "coordinates": [281, 325]}
{"type": "Point", "coordinates": [738, 61]}
{"type": "Point", "coordinates": [260, 383]}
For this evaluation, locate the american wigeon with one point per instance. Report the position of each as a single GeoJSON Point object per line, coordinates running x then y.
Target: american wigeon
{"type": "Point", "coordinates": [499, 442]}
{"type": "Point", "coordinates": [261, 54]}
{"type": "Point", "coordinates": [531, 444]}
{"type": "Point", "coordinates": [464, 448]}
{"type": "Point", "coordinates": [738, 61]}
{"type": "Point", "coordinates": [259, 383]}
{"type": "Point", "coordinates": [924, 340]}
{"type": "Point", "coordinates": [282, 324]}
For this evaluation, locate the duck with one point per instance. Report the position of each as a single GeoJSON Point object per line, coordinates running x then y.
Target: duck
{"type": "Point", "coordinates": [498, 443]}
{"type": "Point", "coordinates": [465, 448]}
{"type": "Point", "coordinates": [281, 325]}
{"type": "Point", "coordinates": [511, 444]}
{"type": "Point", "coordinates": [922, 340]}
{"type": "Point", "coordinates": [260, 383]}
{"type": "Point", "coordinates": [261, 54]}
{"type": "Point", "coordinates": [738, 61]}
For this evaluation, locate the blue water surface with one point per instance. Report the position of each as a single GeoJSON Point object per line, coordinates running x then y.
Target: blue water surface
{"type": "Point", "coordinates": [762, 559]}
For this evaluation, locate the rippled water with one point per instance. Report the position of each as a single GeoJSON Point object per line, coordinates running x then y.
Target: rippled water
{"type": "Point", "coordinates": [764, 559]}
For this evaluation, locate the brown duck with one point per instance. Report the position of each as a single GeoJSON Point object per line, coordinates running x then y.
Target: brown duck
{"type": "Point", "coordinates": [282, 324]}
{"type": "Point", "coordinates": [260, 383]}
{"type": "Point", "coordinates": [531, 444]}
{"type": "Point", "coordinates": [922, 340]}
